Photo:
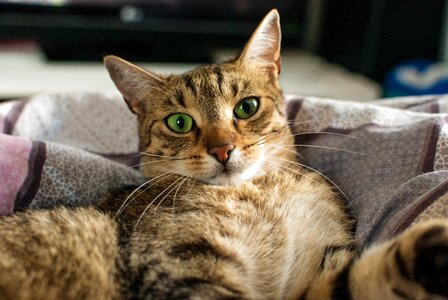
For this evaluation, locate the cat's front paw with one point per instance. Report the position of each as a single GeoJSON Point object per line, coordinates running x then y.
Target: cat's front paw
{"type": "Point", "coordinates": [423, 257]}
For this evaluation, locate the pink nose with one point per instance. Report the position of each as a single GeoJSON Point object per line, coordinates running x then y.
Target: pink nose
{"type": "Point", "coordinates": [221, 153]}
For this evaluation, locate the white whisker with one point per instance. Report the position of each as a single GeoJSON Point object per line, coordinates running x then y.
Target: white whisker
{"type": "Point", "coordinates": [157, 197]}
{"type": "Point", "coordinates": [327, 148]}
{"type": "Point", "coordinates": [293, 123]}
{"type": "Point", "coordinates": [130, 167]}
{"type": "Point", "coordinates": [268, 135]}
{"type": "Point", "coordinates": [163, 156]}
{"type": "Point", "coordinates": [128, 199]}
{"type": "Point", "coordinates": [320, 173]}
{"type": "Point", "coordinates": [280, 166]}
{"type": "Point", "coordinates": [189, 176]}
{"type": "Point", "coordinates": [195, 180]}
{"type": "Point", "coordinates": [123, 205]}
{"type": "Point", "coordinates": [177, 186]}
{"type": "Point", "coordinates": [325, 133]}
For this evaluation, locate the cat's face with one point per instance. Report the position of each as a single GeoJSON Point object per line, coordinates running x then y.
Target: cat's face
{"type": "Point", "coordinates": [220, 124]}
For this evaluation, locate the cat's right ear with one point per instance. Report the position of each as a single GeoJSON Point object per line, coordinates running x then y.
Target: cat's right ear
{"type": "Point", "coordinates": [133, 82]}
{"type": "Point", "coordinates": [263, 48]}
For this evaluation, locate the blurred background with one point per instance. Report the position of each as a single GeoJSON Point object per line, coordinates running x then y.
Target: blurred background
{"type": "Point", "coordinates": [352, 49]}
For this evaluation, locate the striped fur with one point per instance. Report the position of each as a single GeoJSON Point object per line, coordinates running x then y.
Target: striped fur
{"type": "Point", "coordinates": [208, 229]}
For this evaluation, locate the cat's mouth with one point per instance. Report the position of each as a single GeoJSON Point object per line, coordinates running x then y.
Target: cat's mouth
{"type": "Point", "coordinates": [233, 175]}
{"type": "Point", "coordinates": [226, 171]}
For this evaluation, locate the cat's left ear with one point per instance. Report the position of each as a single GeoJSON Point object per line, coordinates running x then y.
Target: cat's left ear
{"type": "Point", "coordinates": [263, 48]}
{"type": "Point", "coordinates": [134, 83]}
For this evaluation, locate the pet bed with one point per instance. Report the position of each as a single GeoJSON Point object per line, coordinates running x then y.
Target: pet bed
{"type": "Point", "coordinates": [390, 158]}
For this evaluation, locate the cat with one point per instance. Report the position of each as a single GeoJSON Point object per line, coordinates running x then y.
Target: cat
{"type": "Point", "coordinates": [227, 211]}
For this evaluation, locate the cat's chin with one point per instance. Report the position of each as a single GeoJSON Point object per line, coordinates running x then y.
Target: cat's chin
{"type": "Point", "coordinates": [233, 178]}
{"type": "Point", "coordinates": [227, 179]}
{"type": "Point", "coordinates": [236, 173]}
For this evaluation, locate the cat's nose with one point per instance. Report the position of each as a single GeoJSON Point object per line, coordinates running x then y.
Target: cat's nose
{"type": "Point", "coordinates": [221, 153]}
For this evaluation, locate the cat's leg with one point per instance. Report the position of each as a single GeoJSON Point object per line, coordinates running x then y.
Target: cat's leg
{"type": "Point", "coordinates": [412, 266]}
{"type": "Point", "coordinates": [330, 283]}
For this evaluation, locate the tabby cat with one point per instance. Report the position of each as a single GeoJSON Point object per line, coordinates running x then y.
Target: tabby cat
{"type": "Point", "coordinates": [226, 213]}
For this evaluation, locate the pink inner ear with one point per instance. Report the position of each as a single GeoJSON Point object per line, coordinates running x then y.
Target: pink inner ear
{"type": "Point", "coordinates": [275, 67]}
{"type": "Point", "coordinates": [278, 63]}
{"type": "Point", "coordinates": [135, 106]}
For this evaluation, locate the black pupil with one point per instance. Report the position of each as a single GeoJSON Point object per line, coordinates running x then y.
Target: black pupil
{"type": "Point", "coordinates": [180, 122]}
{"type": "Point", "coordinates": [246, 107]}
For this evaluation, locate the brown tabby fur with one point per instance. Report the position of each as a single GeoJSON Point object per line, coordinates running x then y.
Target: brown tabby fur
{"type": "Point", "coordinates": [208, 230]}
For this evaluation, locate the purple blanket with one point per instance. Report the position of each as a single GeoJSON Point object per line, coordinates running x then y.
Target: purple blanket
{"type": "Point", "coordinates": [389, 158]}
{"type": "Point", "coordinates": [65, 149]}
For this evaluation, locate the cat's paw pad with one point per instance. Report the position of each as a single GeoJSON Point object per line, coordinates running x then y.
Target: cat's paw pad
{"type": "Point", "coordinates": [431, 259]}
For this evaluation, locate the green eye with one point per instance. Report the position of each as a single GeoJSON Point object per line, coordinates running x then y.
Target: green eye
{"type": "Point", "coordinates": [246, 108]}
{"type": "Point", "coordinates": [180, 123]}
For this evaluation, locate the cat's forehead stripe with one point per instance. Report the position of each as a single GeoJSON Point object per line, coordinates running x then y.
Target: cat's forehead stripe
{"type": "Point", "coordinates": [168, 102]}
{"type": "Point", "coordinates": [190, 85]}
{"type": "Point", "coordinates": [235, 89]}
{"type": "Point", "coordinates": [180, 98]}
{"type": "Point", "coordinates": [246, 84]}
{"type": "Point", "coordinates": [219, 77]}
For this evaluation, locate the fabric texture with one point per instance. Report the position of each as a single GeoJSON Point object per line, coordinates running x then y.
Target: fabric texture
{"type": "Point", "coordinates": [65, 149]}
{"type": "Point", "coordinates": [388, 158]}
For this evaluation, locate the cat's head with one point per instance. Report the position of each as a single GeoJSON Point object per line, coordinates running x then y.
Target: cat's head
{"type": "Point", "coordinates": [222, 123]}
